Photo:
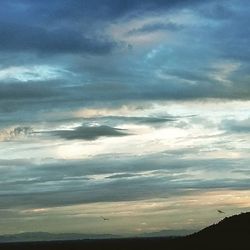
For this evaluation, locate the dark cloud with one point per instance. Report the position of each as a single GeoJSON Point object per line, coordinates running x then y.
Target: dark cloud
{"type": "Point", "coordinates": [27, 90]}
{"type": "Point", "coordinates": [231, 36]}
{"type": "Point", "coordinates": [21, 38]}
{"type": "Point", "coordinates": [89, 132]}
{"type": "Point", "coordinates": [104, 9]}
{"type": "Point", "coordinates": [177, 72]}
{"type": "Point", "coordinates": [121, 7]}
{"type": "Point", "coordinates": [35, 185]}
{"type": "Point", "coordinates": [69, 182]}
{"type": "Point", "coordinates": [129, 189]}
{"type": "Point", "coordinates": [216, 10]}
{"type": "Point", "coordinates": [47, 95]}
{"type": "Point", "coordinates": [67, 27]}
{"type": "Point", "coordinates": [87, 193]}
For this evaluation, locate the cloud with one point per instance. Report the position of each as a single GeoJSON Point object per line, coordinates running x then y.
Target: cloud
{"type": "Point", "coordinates": [148, 28]}
{"type": "Point", "coordinates": [189, 75]}
{"type": "Point", "coordinates": [175, 72]}
{"type": "Point", "coordinates": [67, 182]}
{"type": "Point", "coordinates": [121, 64]}
{"type": "Point", "coordinates": [120, 120]}
{"type": "Point", "coordinates": [31, 73]}
{"type": "Point", "coordinates": [215, 10]}
{"type": "Point", "coordinates": [21, 38]}
{"type": "Point", "coordinates": [242, 171]}
{"type": "Point", "coordinates": [233, 31]}
{"type": "Point", "coordinates": [27, 90]}
{"type": "Point", "coordinates": [104, 9]}
{"type": "Point", "coordinates": [123, 175]}
{"type": "Point", "coordinates": [14, 133]}
{"type": "Point", "coordinates": [82, 30]}
{"type": "Point", "coordinates": [89, 132]}
{"type": "Point", "coordinates": [78, 33]}
{"type": "Point", "coordinates": [236, 126]}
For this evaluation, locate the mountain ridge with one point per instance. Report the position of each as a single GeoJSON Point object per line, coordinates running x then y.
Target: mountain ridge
{"type": "Point", "coordinates": [45, 236]}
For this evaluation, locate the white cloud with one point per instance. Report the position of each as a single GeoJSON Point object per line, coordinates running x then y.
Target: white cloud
{"type": "Point", "coordinates": [30, 73]}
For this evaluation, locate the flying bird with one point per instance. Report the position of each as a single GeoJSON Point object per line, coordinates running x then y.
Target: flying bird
{"type": "Point", "coordinates": [104, 218]}
{"type": "Point", "coordinates": [220, 211]}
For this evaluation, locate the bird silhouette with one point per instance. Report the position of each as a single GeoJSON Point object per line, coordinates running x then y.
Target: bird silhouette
{"type": "Point", "coordinates": [104, 218]}
{"type": "Point", "coordinates": [220, 211]}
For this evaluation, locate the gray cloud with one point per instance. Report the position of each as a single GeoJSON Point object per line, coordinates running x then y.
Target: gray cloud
{"type": "Point", "coordinates": [232, 35]}
{"type": "Point", "coordinates": [73, 181]}
{"type": "Point", "coordinates": [129, 189]}
{"type": "Point", "coordinates": [104, 9]}
{"type": "Point", "coordinates": [150, 120]}
{"type": "Point", "coordinates": [89, 132]}
{"type": "Point", "coordinates": [14, 162]}
{"type": "Point", "coordinates": [176, 72]}
{"type": "Point", "coordinates": [216, 10]}
{"type": "Point", "coordinates": [236, 126]}
{"type": "Point", "coordinates": [242, 171]}
{"type": "Point", "coordinates": [60, 57]}
{"type": "Point", "coordinates": [27, 90]}
{"type": "Point", "coordinates": [48, 34]}
{"type": "Point", "coordinates": [20, 38]}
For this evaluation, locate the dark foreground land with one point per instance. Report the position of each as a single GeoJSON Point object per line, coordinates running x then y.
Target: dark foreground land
{"type": "Point", "coordinates": [230, 233]}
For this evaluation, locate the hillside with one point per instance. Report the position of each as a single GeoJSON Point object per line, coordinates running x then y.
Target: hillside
{"type": "Point", "coordinates": [230, 233]}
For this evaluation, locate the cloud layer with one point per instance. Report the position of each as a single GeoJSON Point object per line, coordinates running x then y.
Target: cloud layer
{"type": "Point", "coordinates": [137, 109]}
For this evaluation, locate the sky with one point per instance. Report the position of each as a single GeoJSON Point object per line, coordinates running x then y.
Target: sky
{"type": "Point", "coordinates": [138, 111]}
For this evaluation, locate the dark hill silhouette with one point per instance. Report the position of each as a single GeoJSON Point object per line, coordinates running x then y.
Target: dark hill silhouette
{"type": "Point", "coordinates": [229, 226]}
{"type": "Point", "coordinates": [230, 233]}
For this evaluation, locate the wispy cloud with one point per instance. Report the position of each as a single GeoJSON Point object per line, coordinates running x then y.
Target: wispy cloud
{"type": "Point", "coordinates": [147, 28]}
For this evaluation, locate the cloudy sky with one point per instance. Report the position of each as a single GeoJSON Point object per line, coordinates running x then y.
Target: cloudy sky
{"type": "Point", "coordinates": [135, 110]}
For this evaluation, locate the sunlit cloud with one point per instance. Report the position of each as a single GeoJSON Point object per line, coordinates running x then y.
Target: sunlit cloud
{"type": "Point", "coordinates": [31, 73]}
